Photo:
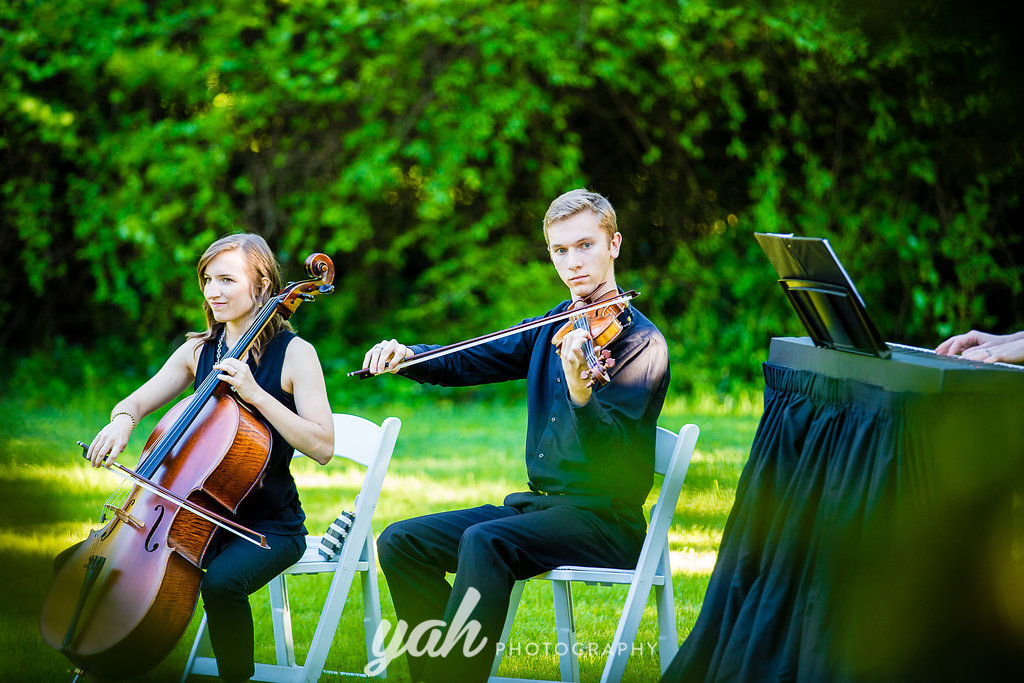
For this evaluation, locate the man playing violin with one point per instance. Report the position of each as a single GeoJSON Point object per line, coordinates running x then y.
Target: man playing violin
{"type": "Point", "coordinates": [589, 453]}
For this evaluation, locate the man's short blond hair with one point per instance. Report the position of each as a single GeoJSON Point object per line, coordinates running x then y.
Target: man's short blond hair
{"type": "Point", "coordinates": [574, 201]}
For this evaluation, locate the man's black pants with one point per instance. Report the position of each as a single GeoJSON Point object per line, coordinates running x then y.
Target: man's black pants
{"type": "Point", "coordinates": [489, 548]}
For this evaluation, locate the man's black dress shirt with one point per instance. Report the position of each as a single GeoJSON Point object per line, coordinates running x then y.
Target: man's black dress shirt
{"type": "Point", "coordinates": [604, 448]}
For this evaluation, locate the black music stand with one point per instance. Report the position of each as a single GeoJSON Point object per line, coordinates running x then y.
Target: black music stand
{"type": "Point", "coordinates": [822, 294]}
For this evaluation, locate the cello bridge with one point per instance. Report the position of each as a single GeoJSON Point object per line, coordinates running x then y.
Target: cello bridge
{"type": "Point", "coordinates": [124, 516]}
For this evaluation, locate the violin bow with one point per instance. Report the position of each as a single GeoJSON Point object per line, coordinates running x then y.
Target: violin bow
{"type": "Point", "coordinates": [501, 334]}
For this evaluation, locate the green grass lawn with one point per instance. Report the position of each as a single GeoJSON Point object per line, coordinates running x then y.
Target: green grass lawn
{"type": "Point", "coordinates": [454, 450]}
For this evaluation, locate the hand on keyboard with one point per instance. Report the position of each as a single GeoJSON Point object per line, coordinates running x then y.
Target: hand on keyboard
{"type": "Point", "coordinates": [985, 347]}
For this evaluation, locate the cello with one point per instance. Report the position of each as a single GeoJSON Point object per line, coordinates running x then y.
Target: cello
{"type": "Point", "coordinates": [124, 597]}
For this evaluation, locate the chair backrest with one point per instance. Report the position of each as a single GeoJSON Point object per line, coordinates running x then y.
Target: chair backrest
{"type": "Point", "coordinates": [664, 448]}
{"type": "Point", "coordinates": [371, 445]}
{"type": "Point", "coordinates": [672, 458]}
{"type": "Point", "coordinates": [361, 440]}
{"type": "Point", "coordinates": [357, 438]}
{"type": "Point", "coordinates": [672, 454]}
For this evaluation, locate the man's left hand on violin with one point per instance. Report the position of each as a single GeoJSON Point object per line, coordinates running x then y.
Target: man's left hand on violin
{"type": "Point", "coordinates": [575, 366]}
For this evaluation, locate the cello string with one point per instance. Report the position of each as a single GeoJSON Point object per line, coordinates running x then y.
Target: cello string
{"type": "Point", "coordinates": [116, 499]}
{"type": "Point", "coordinates": [159, 451]}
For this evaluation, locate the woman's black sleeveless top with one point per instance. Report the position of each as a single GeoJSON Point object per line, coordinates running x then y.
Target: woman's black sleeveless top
{"type": "Point", "coordinates": [273, 506]}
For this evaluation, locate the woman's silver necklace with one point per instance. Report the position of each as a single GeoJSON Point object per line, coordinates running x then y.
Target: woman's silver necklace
{"type": "Point", "coordinates": [220, 345]}
{"type": "Point", "coordinates": [220, 348]}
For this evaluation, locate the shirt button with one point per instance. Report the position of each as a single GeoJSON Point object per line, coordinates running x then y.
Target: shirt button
{"type": "Point", "coordinates": [558, 380]}
{"type": "Point", "coordinates": [540, 455]}
{"type": "Point", "coordinates": [553, 419]}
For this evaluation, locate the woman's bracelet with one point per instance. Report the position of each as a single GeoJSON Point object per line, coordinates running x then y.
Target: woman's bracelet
{"type": "Point", "coordinates": [124, 412]}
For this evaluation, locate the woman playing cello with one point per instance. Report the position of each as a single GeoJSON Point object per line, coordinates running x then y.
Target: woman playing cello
{"type": "Point", "coordinates": [281, 379]}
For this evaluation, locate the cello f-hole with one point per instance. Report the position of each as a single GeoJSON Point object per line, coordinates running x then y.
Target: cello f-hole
{"type": "Point", "coordinates": [156, 525]}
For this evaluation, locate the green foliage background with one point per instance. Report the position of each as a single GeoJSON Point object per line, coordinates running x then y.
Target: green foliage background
{"type": "Point", "coordinates": [418, 143]}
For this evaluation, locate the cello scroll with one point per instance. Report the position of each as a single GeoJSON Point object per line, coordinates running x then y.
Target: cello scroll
{"type": "Point", "coordinates": [321, 272]}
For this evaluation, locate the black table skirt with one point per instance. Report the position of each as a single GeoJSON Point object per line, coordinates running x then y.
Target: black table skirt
{"type": "Point", "coordinates": [873, 537]}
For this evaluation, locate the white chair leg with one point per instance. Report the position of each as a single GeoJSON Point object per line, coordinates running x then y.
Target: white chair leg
{"type": "Point", "coordinates": [200, 648]}
{"type": "Point", "coordinates": [565, 630]}
{"type": "Point", "coordinates": [510, 616]}
{"type": "Point", "coordinates": [280, 615]}
{"type": "Point", "coordinates": [625, 634]}
{"type": "Point", "coordinates": [668, 643]}
{"type": "Point", "coordinates": [371, 601]}
{"type": "Point", "coordinates": [328, 624]}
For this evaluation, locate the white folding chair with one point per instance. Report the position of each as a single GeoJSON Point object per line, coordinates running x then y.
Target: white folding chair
{"type": "Point", "coordinates": [368, 444]}
{"type": "Point", "coordinates": [672, 458]}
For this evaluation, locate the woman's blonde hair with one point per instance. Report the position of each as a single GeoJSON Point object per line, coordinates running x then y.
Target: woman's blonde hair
{"type": "Point", "coordinates": [261, 264]}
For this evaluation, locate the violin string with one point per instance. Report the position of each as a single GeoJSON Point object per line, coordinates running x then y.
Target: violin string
{"type": "Point", "coordinates": [588, 345]}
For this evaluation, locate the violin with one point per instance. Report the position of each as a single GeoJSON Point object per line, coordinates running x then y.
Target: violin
{"type": "Point", "coordinates": [124, 597]}
{"type": "Point", "coordinates": [603, 326]}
